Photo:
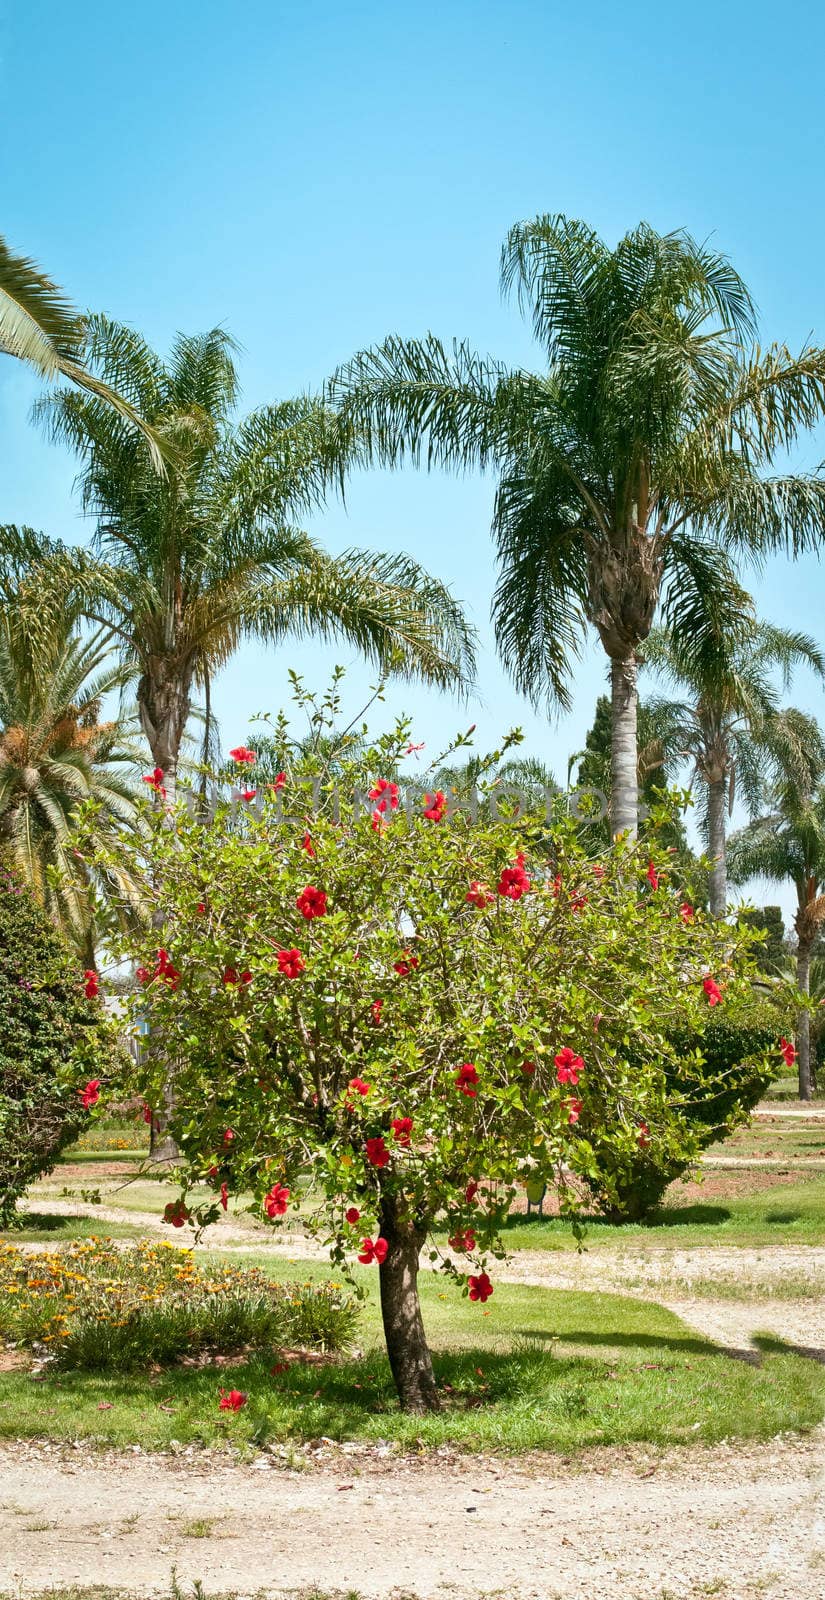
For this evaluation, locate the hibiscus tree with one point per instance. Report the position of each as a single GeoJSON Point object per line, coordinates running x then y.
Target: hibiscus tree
{"type": "Point", "coordinates": [371, 1065]}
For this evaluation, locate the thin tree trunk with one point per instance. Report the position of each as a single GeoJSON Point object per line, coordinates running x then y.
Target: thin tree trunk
{"type": "Point", "coordinates": [803, 1025]}
{"type": "Point", "coordinates": [718, 886]}
{"type": "Point", "coordinates": [407, 1347]}
{"type": "Point", "coordinates": [624, 774]}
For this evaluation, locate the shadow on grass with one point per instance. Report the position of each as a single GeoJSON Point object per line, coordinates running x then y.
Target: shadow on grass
{"type": "Point", "coordinates": [662, 1217]}
{"type": "Point", "coordinates": [689, 1345]}
{"type": "Point", "coordinates": [769, 1345]}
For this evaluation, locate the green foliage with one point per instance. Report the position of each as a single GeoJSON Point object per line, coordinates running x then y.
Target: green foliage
{"type": "Point", "coordinates": [411, 1001]}
{"type": "Point", "coordinates": [101, 1308]}
{"type": "Point", "coordinates": [52, 1039]}
{"type": "Point", "coordinates": [771, 954]}
{"type": "Point", "coordinates": [716, 1075]}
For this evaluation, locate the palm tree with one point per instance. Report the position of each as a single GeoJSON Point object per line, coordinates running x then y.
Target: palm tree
{"type": "Point", "coordinates": [40, 326]}
{"type": "Point", "coordinates": [730, 723]}
{"type": "Point", "coordinates": [622, 465]}
{"type": "Point", "coordinates": [56, 756]}
{"type": "Point", "coordinates": [185, 567]}
{"type": "Point", "coordinates": [788, 845]}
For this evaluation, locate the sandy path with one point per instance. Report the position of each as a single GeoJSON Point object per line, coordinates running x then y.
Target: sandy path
{"type": "Point", "coordinates": [731, 1523]}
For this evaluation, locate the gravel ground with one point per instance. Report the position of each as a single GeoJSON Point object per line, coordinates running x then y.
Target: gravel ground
{"type": "Point", "coordinates": [630, 1525]}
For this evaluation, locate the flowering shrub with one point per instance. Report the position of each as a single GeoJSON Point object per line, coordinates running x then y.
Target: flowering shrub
{"type": "Point", "coordinates": [431, 1013]}
{"type": "Point", "coordinates": [96, 1306]}
{"type": "Point", "coordinates": [54, 1038]}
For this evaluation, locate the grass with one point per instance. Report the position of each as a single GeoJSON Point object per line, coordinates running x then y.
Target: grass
{"type": "Point", "coordinates": [43, 1227]}
{"type": "Point", "coordinates": [782, 1214]}
{"type": "Point", "coordinates": [534, 1369]}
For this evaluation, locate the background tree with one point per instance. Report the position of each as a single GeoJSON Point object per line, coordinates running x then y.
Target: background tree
{"type": "Point", "coordinates": [772, 955]}
{"type": "Point", "coordinates": [787, 845]}
{"type": "Point", "coordinates": [657, 763]}
{"type": "Point", "coordinates": [187, 566]}
{"type": "Point", "coordinates": [730, 723]}
{"type": "Point", "coordinates": [39, 325]}
{"type": "Point", "coordinates": [58, 756]}
{"type": "Point", "coordinates": [643, 444]}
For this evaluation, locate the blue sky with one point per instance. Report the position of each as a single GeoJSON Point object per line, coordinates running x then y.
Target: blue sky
{"type": "Point", "coordinates": [314, 177]}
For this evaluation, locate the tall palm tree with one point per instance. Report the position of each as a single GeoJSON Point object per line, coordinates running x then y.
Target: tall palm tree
{"type": "Point", "coordinates": [40, 326]}
{"type": "Point", "coordinates": [187, 565]}
{"type": "Point", "coordinates": [57, 754]}
{"type": "Point", "coordinates": [730, 723]}
{"type": "Point", "coordinates": [787, 844]}
{"type": "Point", "coordinates": [642, 444]}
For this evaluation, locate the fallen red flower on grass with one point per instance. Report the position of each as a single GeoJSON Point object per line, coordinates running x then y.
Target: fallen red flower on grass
{"type": "Point", "coordinates": [234, 1400]}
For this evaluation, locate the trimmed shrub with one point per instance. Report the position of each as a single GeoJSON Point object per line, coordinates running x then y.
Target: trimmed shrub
{"type": "Point", "coordinates": [719, 1076]}
{"type": "Point", "coordinates": [96, 1307]}
{"type": "Point", "coordinates": [51, 1040]}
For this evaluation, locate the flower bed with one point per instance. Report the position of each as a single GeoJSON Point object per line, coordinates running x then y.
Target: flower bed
{"type": "Point", "coordinates": [94, 1306]}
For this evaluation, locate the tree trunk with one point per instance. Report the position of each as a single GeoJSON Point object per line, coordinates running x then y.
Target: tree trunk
{"type": "Point", "coordinates": [718, 886]}
{"type": "Point", "coordinates": [624, 773]}
{"type": "Point", "coordinates": [407, 1347]}
{"type": "Point", "coordinates": [803, 1025]}
{"type": "Point", "coordinates": [164, 705]}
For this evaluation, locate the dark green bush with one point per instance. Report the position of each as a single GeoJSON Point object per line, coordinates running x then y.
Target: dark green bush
{"type": "Point", "coordinates": [51, 1039]}
{"type": "Point", "coordinates": [722, 1074]}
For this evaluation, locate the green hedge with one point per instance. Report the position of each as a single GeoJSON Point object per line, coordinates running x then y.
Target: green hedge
{"type": "Point", "coordinates": [51, 1039]}
{"type": "Point", "coordinates": [722, 1074]}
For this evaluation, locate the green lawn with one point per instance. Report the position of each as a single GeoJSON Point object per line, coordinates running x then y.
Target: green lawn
{"type": "Point", "coordinates": [44, 1227]}
{"type": "Point", "coordinates": [534, 1369]}
{"type": "Point", "coordinates": [789, 1214]}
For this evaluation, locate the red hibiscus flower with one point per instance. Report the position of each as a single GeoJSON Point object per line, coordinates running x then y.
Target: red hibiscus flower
{"type": "Point", "coordinates": [352, 1215]}
{"type": "Point", "coordinates": [92, 985]}
{"type": "Point", "coordinates": [789, 1052]}
{"type": "Point", "coordinates": [312, 902]}
{"type": "Point", "coordinates": [375, 1011]}
{"type": "Point", "coordinates": [405, 964]}
{"type": "Point", "coordinates": [712, 991]}
{"type": "Point", "coordinates": [528, 1068]}
{"type": "Point", "coordinates": [280, 781]}
{"type": "Point", "coordinates": [306, 845]}
{"type": "Point", "coordinates": [90, 1095]}
{"type": "Point", "coordinates": [224, 1195]}
{"type": "Point", "coordinates": [248, 794]}
{"type": "Point", "coordinates": [166, 971]}
{"type": "Point", "coordinates": [233, 1401]}
{"type": "Point", "coordinates": [686, 911]}
{"type": "Point", "coordinates": [385, 794]}
{"type": "Point", "coordinates": [514, 881]}
{"type": "Point", "coordinates": [372, 1251]}
{"type": "Point", "coordinates": [228, 1135]}
{"type": "Point", "coordinates": [598, 871]}
{"type": "Point", "coordinates": [358, 1086]}
{"type": "Point", "coordinates": [556, 886]}
{"type": "Point", "coordinates": [232, 976]}
{"type": "Point", "coordinates": [147, 1113]}
{"type": "Point", "coordinates": [471, 1191]}
{"type": "Point", "coordinates": [463, 1242]}
{"type": "Point", "coordinates": [478, 895]}
{"type": "Point", "coordinates": [143, 974]}
{"type": "Point", "coordinates": [201, 908]}
{"type": "Point", "coordinates": [402, 1128]}
{"type": "Point", "coordinates": [568, 1066]}
{"type": "Point", "coordinates": [413, 749]}
{"type": "Point", "coordinates": [578, 902]}
{"type": "Point", "coordinates": [574, 1110]}
{"type": "Point", "coordinates": [243, 757]}
{"type": "Point", "coordinates": [480, 1286]}
{"type": "Point", "coordinates": [276, 1202]}
{"type": "Point", "coordinates": [377, 1153]}
{"type": "Point", "coordinates": [435, 806]}
{"type": "Point", "coordinates": [643, 1136]}
{"type": "Point", "coordinates": [652, 876]}
{"type": "Point", "coordinates": [176, 1213]}
{"type": "Point", "coordinates": [466, 1078]}
{"type": "Point", "coordinates": [290, 963]}
{"type": "Point", "coordinates": [155, 781]}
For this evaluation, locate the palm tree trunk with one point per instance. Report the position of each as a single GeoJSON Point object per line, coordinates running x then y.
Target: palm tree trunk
{"type": "Point", "coordinates": [407, 1347]}
{"type": "Point", "coordinates": [624, 775]}
{"type": "Point", "coordinates": [164, 711]}
{"type": "Point", "coordinates": [803, 1025]}
{"type": "Point", "coordinates": [718, 886]}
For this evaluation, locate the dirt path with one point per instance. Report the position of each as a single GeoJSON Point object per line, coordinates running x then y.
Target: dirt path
{"type": "Point", "coordinates": [735, 1524]}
